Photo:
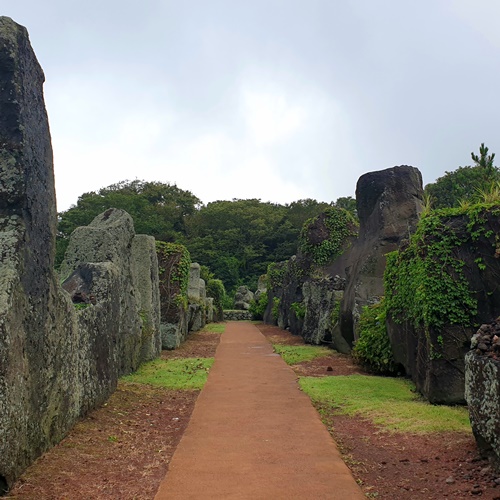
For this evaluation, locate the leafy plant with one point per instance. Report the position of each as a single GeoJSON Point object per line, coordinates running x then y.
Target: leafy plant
{"type": "Point", "coordinates": [174, 264]}
{"type": "Point", "coordinates": [325, 236]}
{"type": "Point", "coordinates": [299, 309]}
{"type": "Point", "coordinates": [258, 307]}
{"type": "Point", "coordinates": [373, 348]}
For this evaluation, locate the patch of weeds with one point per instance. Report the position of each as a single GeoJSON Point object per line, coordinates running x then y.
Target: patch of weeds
{"type": "Point", "coordinates": [388, 402]}
{"type": "Point", "coordinates": [184, 374]}
{"type": "Point", "coordinates": [293, 354]}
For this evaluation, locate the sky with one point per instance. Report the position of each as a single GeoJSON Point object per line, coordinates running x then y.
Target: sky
{"type": "Point", "coordinates": [279, 100]}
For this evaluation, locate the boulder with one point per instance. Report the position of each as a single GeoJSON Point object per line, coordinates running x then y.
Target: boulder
{"type": "Point", "coordinates": [322, 300]}
{"type": "Point", "coordinates": [194, 282]}
{"type": "Point", "coordinates": [242, 298]}
{"type": "Point", "coordinates": [146, 282]}
{"type": "Point", "coordinates": [39, 389]}
{"type": "Point", "coordinates": [388, 204]}
{"type": "Point", "coordinates": [482, 390]}
{"type": "Point", "coordinates": [261, 287]}
{"type": "Point", "coordinates": [175, 265]}
{"type": "Point", "coordinates": [108, 238]}
{"type": "Point", "coordinates": [439, 286]}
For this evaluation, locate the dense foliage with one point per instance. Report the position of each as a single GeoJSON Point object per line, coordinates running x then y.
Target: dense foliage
{"type": "Point", "coordinates": [425, 282]}
{"type": "Point", "coordinates": [234, 241]}
{"type": "Point", "coordinates": [174, 264]}
{"type": "Point", "coordinates": [465, 183]}
{"type": "Point", "coordinates": [373, 348]}
{"type": "Point", "coordinates": [324, 237]}
{"type": "Point", "coordinates": [158, 209]}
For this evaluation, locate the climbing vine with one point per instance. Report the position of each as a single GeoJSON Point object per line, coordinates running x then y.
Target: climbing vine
{"type": "Point", "coordinates": [174, 263]}
{"type": "Point", "coordinates": [373, 348]}
{"type": "Point", "coordinates": [324, 237]}
{"type": "Point", "coordinates": [425, 283]}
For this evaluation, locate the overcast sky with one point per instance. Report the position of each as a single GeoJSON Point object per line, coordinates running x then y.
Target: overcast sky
{"type": "Point", "coordinates": [272, 99]}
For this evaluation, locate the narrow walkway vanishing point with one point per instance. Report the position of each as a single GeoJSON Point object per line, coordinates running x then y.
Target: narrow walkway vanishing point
{"type": "Point", "coordinates": [253, 434]}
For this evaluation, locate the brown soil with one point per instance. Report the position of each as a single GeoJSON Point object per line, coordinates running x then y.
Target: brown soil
{"type": "Point", "coordinates": [398, 466]}
{"type": "Point", "coordinates": [123, 449]}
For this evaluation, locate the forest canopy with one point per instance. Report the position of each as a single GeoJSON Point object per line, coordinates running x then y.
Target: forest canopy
{"type": "Point", "coordinates": [235, 239]}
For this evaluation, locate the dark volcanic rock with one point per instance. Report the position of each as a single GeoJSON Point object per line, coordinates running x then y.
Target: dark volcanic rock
{"type": "Point", "coordinates": [482, 390]}
{"type": "Point", "coordinates": [38, 331]}
{"type": "Point", "coordinates": [434, 356]}
{"type": "Point", "coordinates": [388, 203]}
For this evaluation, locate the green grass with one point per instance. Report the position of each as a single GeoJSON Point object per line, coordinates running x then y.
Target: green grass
{"type": "Point", "coordinates": [185, 373]}
{"type": "Point", "coordinates": [293, 354]}
{"type": "Point", "coordinates": [215, 327]}
{"type": "Point", "coordinates": [388, 402]}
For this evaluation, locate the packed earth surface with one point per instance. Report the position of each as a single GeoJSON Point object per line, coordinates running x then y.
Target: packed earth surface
{"type": "Point", "coordinates": [123, 449]}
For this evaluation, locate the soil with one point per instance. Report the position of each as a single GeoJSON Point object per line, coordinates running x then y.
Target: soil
{"type": "Point", "coordinates": [398, 466]}
{"type": "Point", "coordinates": [122, 450]}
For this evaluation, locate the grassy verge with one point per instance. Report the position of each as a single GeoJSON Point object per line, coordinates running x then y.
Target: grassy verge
{"type": "Point", "coordinates": [293, 354]}
{"type": "Point", "coordinates": [215, 327]}
{"type": "Point", "coordinates": [388, 402]}
{"type": "Point", "coordinates": [185, 373]}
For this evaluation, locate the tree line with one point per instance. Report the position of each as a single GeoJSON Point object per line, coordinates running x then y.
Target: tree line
{"type": "Point", "coordinates": [236, 240]}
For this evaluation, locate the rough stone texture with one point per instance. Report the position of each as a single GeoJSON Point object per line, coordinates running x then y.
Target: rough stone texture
{"type": "Point", "coordinates": [194, 282]}
{"type": "Point", "coordinates": [173, 304]}
{"type": "Point", "coordinates": [108, 238]}
{"type": "Point", "coordinates": [197, 317]}
{"type": "Point", "coordinates": [56, 362]}
{"type": "Point", "coordinates": [242, 298]}
{"type": "Point", "coordinates": [288, 290]}
{"type": "Point", "coordinates": [482, 393]}
{"type": "Point", "coordinates": [435, 357]}
{"type": "Point", "coordinates": [261, 287]}
{"type": "Point", "coordinates": [38, 332]}
{"type": "Point", "coordinates": [237, 315]}
{"type": "Point", "coordinates": [322, 305]}
{"type": "Point", "coordinates": [146, 281]}
{"type": "Point", "coordinates": [209, 304]}
{"type": "Point", "coordinates": [388, 203]}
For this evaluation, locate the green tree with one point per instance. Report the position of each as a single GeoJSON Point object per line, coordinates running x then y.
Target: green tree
{"type": "Point", "coordinates": [464, 183]}
{"type": "Point", "coordinates": [158, 210]}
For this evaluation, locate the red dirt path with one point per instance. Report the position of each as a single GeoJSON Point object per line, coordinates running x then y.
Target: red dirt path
{"type": "Point", "coordinates": [253, 434]}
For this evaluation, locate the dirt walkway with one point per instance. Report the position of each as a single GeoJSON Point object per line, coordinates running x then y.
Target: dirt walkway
{"type": "Point", "coordinates": [253, 434]}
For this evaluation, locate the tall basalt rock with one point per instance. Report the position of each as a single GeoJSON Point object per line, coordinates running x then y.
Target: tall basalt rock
{"type": "Point", "coordinates": [109, 238]}
{"type": "Point", "coordinates": [38, 332]}
{"type": "Point", "coordinates": [146, 280]}
{"type": "Point", "coordinates": [457, 288]}
{"type": "Point", "coordinates": [388, 204]}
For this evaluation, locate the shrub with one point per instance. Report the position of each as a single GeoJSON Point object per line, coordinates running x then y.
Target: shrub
{"type": "Point", "coordinates": [373, 348]}
{"type": "Point", "coordinates": [258, 307]}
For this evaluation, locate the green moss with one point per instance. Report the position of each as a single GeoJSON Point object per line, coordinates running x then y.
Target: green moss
{"type": "Point", "coordinates": [339, 224]}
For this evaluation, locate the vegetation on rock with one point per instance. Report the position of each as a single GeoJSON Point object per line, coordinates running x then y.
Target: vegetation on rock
{"type": "Point", "coordinates": [324, 237]}
{"type": "Point", "coordinates": [464, 183]}
{"type": "Point", "coordinates": [373, 348]}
